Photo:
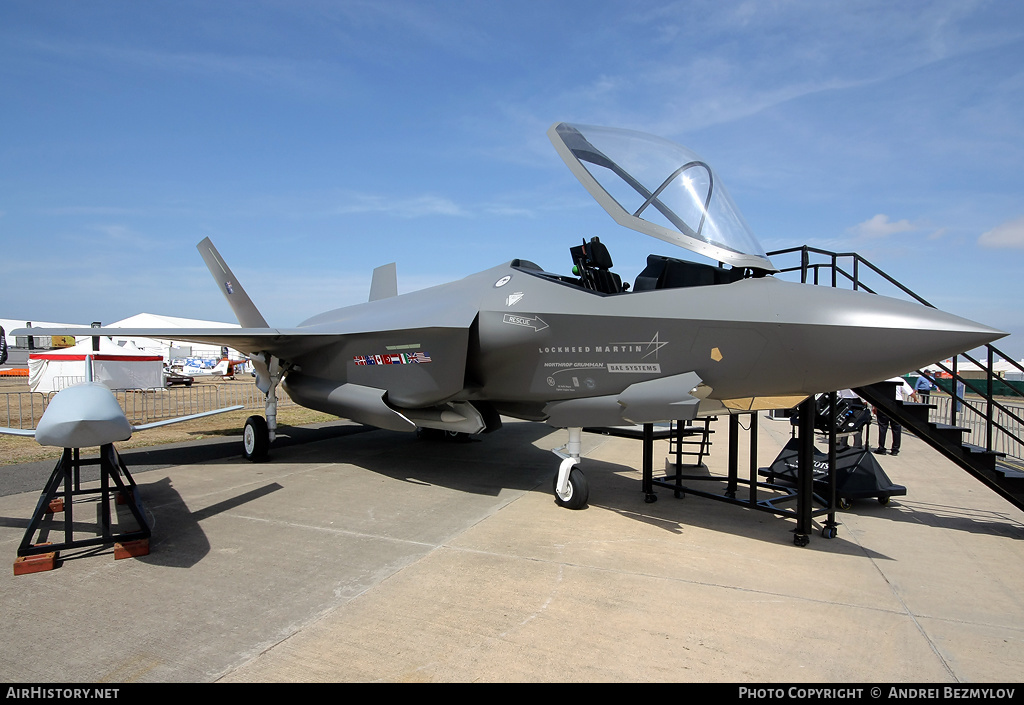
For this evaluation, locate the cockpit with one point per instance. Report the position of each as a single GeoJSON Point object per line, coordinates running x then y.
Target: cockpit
{"type": "Point", "coordinates": [592, 270]}
{"type": "Point", "coordinates": [661, 189]}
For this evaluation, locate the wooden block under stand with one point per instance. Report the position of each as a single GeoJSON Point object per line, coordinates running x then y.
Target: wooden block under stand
{"type": "Point", "coordinates": [23, 565]}
{"type": "Point", "coordinates": [131, 549]}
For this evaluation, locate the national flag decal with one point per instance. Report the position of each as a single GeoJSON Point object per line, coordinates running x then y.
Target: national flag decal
{"type": "Point", "coordinates": [416, 358]}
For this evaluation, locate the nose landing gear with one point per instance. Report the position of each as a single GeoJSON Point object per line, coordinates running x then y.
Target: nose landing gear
{"type": "Point", "coordinates": [570, 484]}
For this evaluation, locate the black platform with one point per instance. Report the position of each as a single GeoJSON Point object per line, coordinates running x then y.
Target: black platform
{"type": "Point", "coordinates": [858, 474]}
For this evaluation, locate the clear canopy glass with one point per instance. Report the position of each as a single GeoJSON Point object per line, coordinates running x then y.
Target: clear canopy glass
{"type": "Point", "coordinates": [661, 189]}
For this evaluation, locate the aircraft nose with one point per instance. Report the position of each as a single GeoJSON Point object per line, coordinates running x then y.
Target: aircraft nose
{"type": "Point", "coordinates": [861, 338]}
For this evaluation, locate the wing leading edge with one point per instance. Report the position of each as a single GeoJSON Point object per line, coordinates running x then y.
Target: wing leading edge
{"type": "Point", "coordinates": [285, 343]}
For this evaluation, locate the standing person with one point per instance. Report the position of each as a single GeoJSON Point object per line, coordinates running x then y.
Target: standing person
{"type": "Point", "coordinates": [3, 346]}
{"type": "Point", "coordinates": [884, 422]}
{"type": "Point", "coordinates": [961, 392]}
{"type": "Point", "coordinates": [923, 387]}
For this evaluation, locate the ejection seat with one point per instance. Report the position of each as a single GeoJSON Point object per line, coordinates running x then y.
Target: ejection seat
{"type": "Point", "coordinates": [592, 263]}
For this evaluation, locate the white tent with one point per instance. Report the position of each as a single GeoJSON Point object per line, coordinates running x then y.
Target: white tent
{"type": "Point", "coordinates": [117, 366]}
{"type": "Point", "coordinates": [166, 347]}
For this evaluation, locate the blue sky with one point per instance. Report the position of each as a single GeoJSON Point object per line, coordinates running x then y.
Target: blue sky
{"type": "Point", "coordinates": [313, 141]}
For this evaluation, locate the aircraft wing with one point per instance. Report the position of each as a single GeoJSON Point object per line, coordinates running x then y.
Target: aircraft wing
{"type": "Point", "coordinates": [190, 417]}
{"type": "Point", "coordinates": [455, 311]}
{"type": "Point", "coordinates": [381, 313]}
{"type": "Point", "coordinates": [6, 431]}
{"type": "Point", "coordinates": [285, 343]}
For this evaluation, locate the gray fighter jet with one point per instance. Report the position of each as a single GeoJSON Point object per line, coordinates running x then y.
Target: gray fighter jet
{"type": "Point", "coordinates": [586, 349]}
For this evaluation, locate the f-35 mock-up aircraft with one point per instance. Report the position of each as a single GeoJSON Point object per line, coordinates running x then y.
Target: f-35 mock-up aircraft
{"type": "Point", "coordinates": [586, 349]}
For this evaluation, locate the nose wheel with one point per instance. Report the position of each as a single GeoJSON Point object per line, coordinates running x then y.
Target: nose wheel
{"type": "Point", "coordinates": [570, 486]}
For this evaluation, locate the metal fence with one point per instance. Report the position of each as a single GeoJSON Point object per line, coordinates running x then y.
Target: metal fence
{"type": "Point", "coordinates": [1007, 428]}
{"type": "Point", "coordinates": [24, 409]}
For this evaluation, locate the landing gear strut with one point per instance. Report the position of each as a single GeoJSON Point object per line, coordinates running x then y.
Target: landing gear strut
{"type": "Point", "coordinates": [570, 484]}
{"type": "Point", "coordinates": [259, 433]}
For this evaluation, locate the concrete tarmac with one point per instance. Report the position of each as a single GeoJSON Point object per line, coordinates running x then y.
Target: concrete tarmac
{"type": "Point", "coordinates": [366, 555]}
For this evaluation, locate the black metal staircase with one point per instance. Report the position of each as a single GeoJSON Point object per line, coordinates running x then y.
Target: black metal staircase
{"type": "Point", "coordinates": [1000, 421]}
{"type": "Point", "coordinates": [945, 438]}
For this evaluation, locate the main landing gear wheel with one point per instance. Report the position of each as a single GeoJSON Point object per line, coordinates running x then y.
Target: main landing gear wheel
{"type": "Point", "coordinates": [256, 439]}
{"type": "Point", "coordinates": [576, 493]}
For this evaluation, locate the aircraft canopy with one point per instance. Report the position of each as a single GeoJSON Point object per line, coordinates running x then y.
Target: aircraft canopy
{"type": "Point", "coordinates": [661, 189]}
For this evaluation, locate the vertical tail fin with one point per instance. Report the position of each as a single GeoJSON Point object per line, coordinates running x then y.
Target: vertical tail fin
{"type": "Point", "coordinates": [384, 284]}
{"type": "Point", "coordinates": [245, 310]}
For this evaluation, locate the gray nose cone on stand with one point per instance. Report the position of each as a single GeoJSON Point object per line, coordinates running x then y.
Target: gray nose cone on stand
{"type": "Point", "coordinates": [81, 416]}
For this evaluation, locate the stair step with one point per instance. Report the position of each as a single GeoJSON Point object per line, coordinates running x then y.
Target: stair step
{"type": "Point", "coordinates": [978, 450]}
{"type": "Point", "coordinates": [981, 456]}
{"type": "Point", "coordinates": [916, 409]}
{"type": "Point", "coordinates": [1008, 472]}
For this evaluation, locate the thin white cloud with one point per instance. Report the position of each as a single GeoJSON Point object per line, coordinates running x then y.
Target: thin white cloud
{"type": "Point", "coordinates": [123, 237]}
{"type": "Point", "coordinates": [268, 70]}
{"type": "Point", "coordinates": [880, 226]}
{"type": "Point", "coordinates": [412, 207]}
{"type": "Point", "coordinates": [1009, 235]}
{"type": "Point", "coordinates": [92, 210]}
{"type": "Point", "coordinates": [722, 62]}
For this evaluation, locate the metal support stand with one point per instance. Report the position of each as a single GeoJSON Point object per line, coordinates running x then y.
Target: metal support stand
{"type": "Point", "coordinates": [752, 481]}
{"type": "Point", "coordinates": [59, 495]}
{"type": "Point", "coordinates": [734, 451]}
{"type": "Point", "coordinates": [803, 494]}
{"type": "Point", "coordinates": [805, 474]}
{"type": "Point", "coordinates": [648, 464]}
{"type": "Point", "coordinates": [831, 527]}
